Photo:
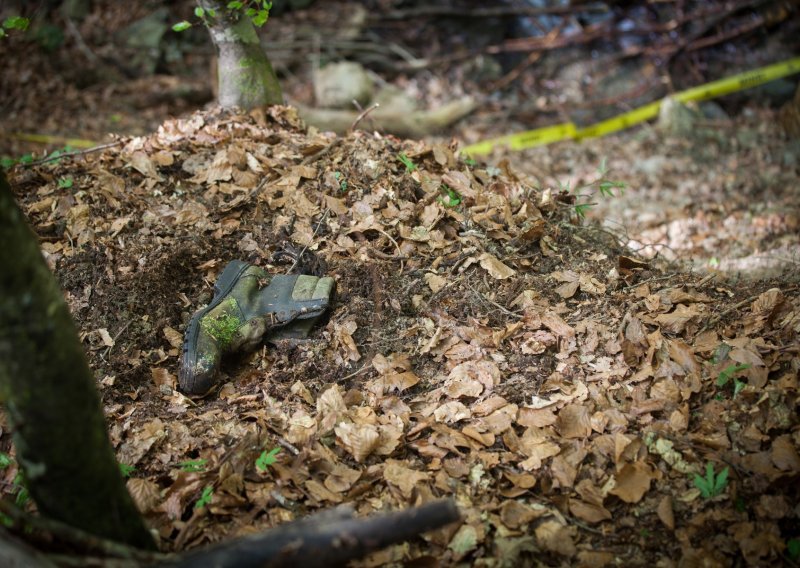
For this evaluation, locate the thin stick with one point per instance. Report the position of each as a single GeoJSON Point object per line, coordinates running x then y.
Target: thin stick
{"type": "Point", "coordinates": [361, 116]}
{"type": "Point", "coordinates": [74, 153]}
{"type": "Point", "coordinates": [305, 248]}
{"type": "Point", "coordinates": [399, 252]}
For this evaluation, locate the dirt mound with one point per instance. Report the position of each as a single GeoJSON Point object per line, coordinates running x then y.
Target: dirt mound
{"type": "Point", "coordinates": [482, 346]}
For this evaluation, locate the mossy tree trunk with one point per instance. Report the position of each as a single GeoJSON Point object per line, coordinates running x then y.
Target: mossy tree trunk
{"type": "Point", "coordinates": [47, 387]}
{"type": "Point", "coordinates": [246, 78]}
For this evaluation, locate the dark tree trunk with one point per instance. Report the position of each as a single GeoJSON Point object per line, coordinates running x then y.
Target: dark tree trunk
{"type": "Point", "coordinates": [246, 78]}
{"type": "Point", "coordinates": [59, 431]}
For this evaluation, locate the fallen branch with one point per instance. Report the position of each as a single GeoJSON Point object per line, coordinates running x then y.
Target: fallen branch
{"type": "Point", "coordinates": [330, 538]}
{"type": "Point", "coordinates": [493, 12]}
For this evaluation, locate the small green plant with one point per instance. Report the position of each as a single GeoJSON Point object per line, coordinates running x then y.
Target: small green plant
{"type": "Point", "coordinates": [7, 161]}
{"type": "Point", "coordinates": [712, 484]}
{"type": "Point", "coordinates": [606, 187]}
{"type": "Point", "coordinates": [407, 162]}
{"type": "Point", "coordinates": [342, 182]}
{"type": "Point", "coordinates": [65, 182]}
{"type": "Point", "coordinates": [470, 162]}
{"type": "Point", "coordinates": [729, 373]}
{"type": "Point", "coordinates": [18, 484]}
{"type": "Point", "coordinates": [266, 459]}
{"type": "Point", "coordinates": [256, 10]}
{"type": "Point", "coordinates": [126, 470]}
{"type": "Point", "coordinates": [193, 466]}
{"type": "Point", "coordinates": [14, 23]}
{"type": "Point", "coordinates": [451, 197]}
{"type": "Point", "coordinates": [5, 460]}
{"type": "Point", "coordinates": [793, 549]}
{"type": "Point", "coordinates": [205, 497]}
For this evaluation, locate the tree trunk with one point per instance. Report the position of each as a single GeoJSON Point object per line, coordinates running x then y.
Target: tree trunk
{"type": "Point", "coordinates": [246, 78]}
{"type": "Point", "coordinates": [59, 431]}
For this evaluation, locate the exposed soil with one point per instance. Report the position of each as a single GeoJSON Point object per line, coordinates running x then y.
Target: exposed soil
{"type": "Point", "coordinates": [555, 376]}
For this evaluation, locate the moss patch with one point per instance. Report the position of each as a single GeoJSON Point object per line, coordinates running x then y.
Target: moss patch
{"type": "Point", "coordinates": [223, 326]}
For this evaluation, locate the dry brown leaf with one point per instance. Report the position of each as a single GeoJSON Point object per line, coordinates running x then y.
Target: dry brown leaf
{"type": "Point", "coordinates": [162, 377]}
{"type": "Point", "coordinates": [574, 421]}
{"type": "Point", "coordinates": [146, 494]}
{"type": "Point", "coordinates": [321, 493]}
{"type": "Point", "coordinates": [302, 427]}
{"type": "Point", "coordinates": [400, 381]}
{"type": "Point", "coordinates": [435, 282]}
{"type": "Point", "coordinates": [784, 454]}
{"type": "Point", "coordinates": [451, 412]}
{"type": "Point", "coordinates": [556, 537]}
{"type": "Point", "coordinates": [341, 478]}
{"type": "Point", "coordinates": [174, 338]}
{"type": "Point", "coordinates": [515, 514]}
{"type": "Point", "coordinates": [591, 285]}
{"type": "Point", "coordinates": [633, 481]}
{"type": "Point", "coordinates": [140, 162]}
{"type": "Point", "coordinates": [676, 321]}
{"type": "Point", "coordinates": [360, 440]}
{"type": "Point", "coordinates": [402, 477]}
{"type": "Point", "coordinates": [589, 512]}
{"type": "Point", "coordinates": [495, 267]}
{"type": "Point", "coordinates": [665, 512]}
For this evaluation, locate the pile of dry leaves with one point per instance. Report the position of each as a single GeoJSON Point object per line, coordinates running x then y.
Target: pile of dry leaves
{"type": "Point", "coordinates": [481, 346]}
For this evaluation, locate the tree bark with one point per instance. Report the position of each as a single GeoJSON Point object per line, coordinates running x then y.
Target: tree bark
{"type": "Point", "coordinates": [59, 430]}
{"type": "Point", "coordinates": [246, 78]}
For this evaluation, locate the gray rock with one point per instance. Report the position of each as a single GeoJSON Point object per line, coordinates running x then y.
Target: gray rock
{"type": "Point", "coordinates": [337, 85]}
{"type": "Point", "coordinates": [677, 118]}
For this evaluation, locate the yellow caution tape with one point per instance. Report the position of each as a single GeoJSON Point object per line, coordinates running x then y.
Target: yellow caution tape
{"type": "Point", "coordinates": [568, 130]}
{"type": "Point", "coordinates": [48, 139]}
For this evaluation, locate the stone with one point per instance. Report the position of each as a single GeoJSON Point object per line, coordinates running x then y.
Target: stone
{"type": "Point", "coordinates": [337, 85]}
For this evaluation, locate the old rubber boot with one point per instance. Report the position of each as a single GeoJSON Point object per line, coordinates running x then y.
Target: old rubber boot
{"type": "Point", "coordinates": [225, 325]}
{"type": "Point", "coordinates": [300, 300]}
{"type": "Point", "coordinates": [241, 313]}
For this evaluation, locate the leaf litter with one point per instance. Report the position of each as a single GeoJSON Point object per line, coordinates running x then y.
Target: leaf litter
{"type": "Point", "coordinates": [481, 347]}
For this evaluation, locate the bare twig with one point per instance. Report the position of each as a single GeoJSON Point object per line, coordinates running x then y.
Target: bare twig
{"type": "Point", "coordinates": [424, 11]}
{"type": "Point", "coordinates": [305, 248]}
{"type": "Point", "coordinates": [362, 115]}
{"type": "Point", "coordinates": [74, 153]}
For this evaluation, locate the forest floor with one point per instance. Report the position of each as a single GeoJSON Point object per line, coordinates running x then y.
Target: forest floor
{"type": "Point", "coordinates": [564, 380]}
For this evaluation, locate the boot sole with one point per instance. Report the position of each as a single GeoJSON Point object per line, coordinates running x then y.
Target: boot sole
{"type": "Point", "coordinates": [224, 284]}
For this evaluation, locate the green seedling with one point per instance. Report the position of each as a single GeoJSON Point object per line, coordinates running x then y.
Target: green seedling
{"type": "Point", "coordinates": [451, 198]}
{"type": "Point", "coordinates": [793, 549]}
{"type": "Point", "coordinates": [712, 484]}
{"type": "Point", "coordinates": [407, 162]}
{"type": "Point", "coordinates": [18, 484]}
{"type": "Point", "coordinates": [14, 23]}
{"type": "Point", "coordinates": [205, 497]}
{"type": "Point", "coordinates": [470, 162]}
{"type": "Point", "coordinates": [606, 187]}
{"type": "Point", "coordinates": [342, 182]}
{"type": "Point", "coordinates": [728, 373]}
{"type": "Point", "coordinates": [126, 470]}
{"type": "Point", "coordinates": [266, 459]}
{"type": "Point", "coordinates": [7, 162]}
{"type": "Point", "coordinates": [65, 182]}
{"type": "Point", "coordinates": [193, 466]}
